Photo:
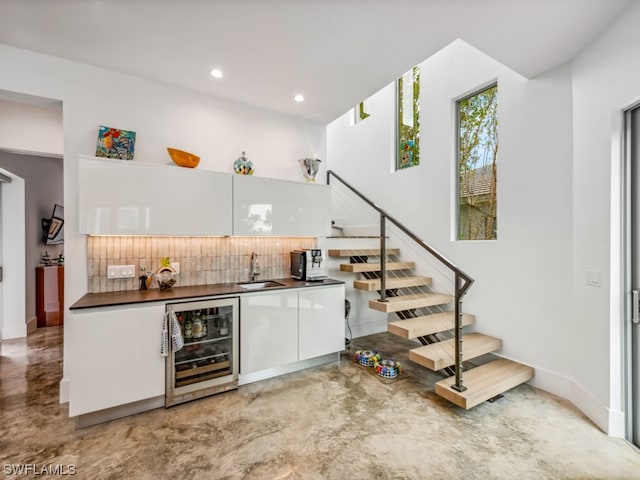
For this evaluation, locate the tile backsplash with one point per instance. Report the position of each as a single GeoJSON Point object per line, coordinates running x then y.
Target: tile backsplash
{"type": "Point", "coordinates": [203, 260]}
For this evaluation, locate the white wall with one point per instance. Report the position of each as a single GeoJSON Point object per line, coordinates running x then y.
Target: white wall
{"type": "Point", "coordinates": [523, 280]}
{"type": "Point", "coordinates": [162, 116]}
{"type": "Point", "coordinates": [43, 189]}
{"type": "Point", "coordinates": [605, 82]}
{"type": "Point", "coordinates": [31, 128]}
{"type": "Point", "coordinates": [13, 254]}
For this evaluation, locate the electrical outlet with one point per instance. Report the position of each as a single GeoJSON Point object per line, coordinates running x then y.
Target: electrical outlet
{"type": "Point", "coordinates": [175, 266]}
{"type": "Point", "coordinates": [592, 278]}
{"type": "Point", "coordinates": [121, 271]}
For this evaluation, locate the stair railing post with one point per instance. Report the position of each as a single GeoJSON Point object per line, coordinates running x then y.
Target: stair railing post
{"type": "Point", "coordinates": [458, 386]}
{"type": "Point", "coordinates": [383, 259]}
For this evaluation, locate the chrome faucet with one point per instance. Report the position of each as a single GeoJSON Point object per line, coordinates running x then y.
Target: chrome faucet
{"type": "Point", "coordinates": [253, 267]}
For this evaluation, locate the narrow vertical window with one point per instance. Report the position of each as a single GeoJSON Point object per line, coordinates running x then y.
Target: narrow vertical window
{"type": "Point", "coordinates": [361, 112]}
{"type": "Point", "coordinates": [477, 165]}
{"type": "Point", "coordinates": [408, 124]}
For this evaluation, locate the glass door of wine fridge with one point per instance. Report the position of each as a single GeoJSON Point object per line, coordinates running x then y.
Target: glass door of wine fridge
{"type": "Point", "coordinates": [208, 361]}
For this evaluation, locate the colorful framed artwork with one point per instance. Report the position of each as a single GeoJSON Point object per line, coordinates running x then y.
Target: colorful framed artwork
{"type": "Point", "coordinates": [114, 143]}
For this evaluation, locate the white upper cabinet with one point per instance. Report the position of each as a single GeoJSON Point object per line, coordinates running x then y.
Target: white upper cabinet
{"type": "Point", "coordinates": [264, 206]}
{"type": "Point", "coordinates": [119, 197]}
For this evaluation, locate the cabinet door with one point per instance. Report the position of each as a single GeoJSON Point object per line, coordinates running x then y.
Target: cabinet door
{"type": "Point", "coordinates": [114, 357]}
{"type": "Point", "coordinates": [264, 206]}
{"type": "Point", "coordinates": [132, 198]}
{"type": "Point", "coordinates": [268, 330]}
{"type": "Point", "coordinates": [320, 321]}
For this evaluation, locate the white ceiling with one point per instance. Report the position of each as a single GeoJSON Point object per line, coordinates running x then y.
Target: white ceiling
{"type": "Point", "coordinates": [335, 52]}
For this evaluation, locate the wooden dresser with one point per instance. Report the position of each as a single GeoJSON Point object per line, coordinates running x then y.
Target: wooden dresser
{"type": "Point", "coordinates": [50, 296]}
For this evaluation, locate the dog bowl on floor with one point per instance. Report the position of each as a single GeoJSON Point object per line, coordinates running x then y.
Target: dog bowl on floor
{"type": "Point", "coordinates": [366, 358]}
{"type": "Point", "coordinates": [388, 368]}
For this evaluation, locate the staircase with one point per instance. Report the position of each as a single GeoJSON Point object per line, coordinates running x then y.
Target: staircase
{"type": "Point", "coordinates": [431, 318]}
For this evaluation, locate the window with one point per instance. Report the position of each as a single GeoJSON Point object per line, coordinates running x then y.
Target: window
{"type": "Point", "coordinates": [408, 123]}
{"type": "Point", "coordinates": [477, 121]}
{"type": "Point", "coordinates": [361, 112]}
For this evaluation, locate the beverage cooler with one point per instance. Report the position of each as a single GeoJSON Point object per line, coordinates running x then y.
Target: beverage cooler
{"type": "Point", "coordinates": [207, 363]}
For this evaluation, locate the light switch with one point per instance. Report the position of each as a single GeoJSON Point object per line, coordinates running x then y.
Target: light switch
{"type": "Point", "coordinates": [593, 278]}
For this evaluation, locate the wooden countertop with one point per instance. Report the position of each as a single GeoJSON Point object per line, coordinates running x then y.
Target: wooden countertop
{"type": "Point", "coordinates": [109, 299]}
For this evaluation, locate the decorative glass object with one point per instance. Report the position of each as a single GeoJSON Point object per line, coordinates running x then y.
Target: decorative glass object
{"type": "Point", "coordinates": [166, 279]}
{"type": "Point", "coordinates": [243, 166]}
{"type": "Point", "coordinates": [165, 276]}
{"type": "Point", "coordinates": [310, 168]}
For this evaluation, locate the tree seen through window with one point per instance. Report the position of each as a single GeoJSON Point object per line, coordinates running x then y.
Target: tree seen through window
{"type": "Point", "coordinates": [477, 163]}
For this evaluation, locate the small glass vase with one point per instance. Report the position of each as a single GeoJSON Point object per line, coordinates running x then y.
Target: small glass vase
{"type": "Point", "coordinates": [165, 280]}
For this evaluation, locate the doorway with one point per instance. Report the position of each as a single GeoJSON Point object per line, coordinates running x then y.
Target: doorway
{"type": "Point", "coordinates": [31, 150]}
{"type": "Point", "coordinates": [13, 256]}
{"type": "Point", "coordinates": [3, 179]}
{"type": "Point", "coordinates": [632, 314]}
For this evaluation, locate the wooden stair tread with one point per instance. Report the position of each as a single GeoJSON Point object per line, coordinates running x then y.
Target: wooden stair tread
{"type": "Point", "coordinates": [437, 356]}
{"type": "Point", "coordinates": [409, 302]}
{"type": "Point", "coordinates": [396, 282]}
{"type": "Point", "coordinates": [375, 267]}
{"type": "Point", "coordinates": [354, 236]}
{"type": "Point", "coordinates": [485, 382]}
{"type": "Point", "coordinates": [427, 324]}
{"type": "Point", "coordinates": [361, 252]}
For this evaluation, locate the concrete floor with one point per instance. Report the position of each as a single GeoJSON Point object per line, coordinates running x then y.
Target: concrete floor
{"type": "Point", "coordinates": [333, 422]}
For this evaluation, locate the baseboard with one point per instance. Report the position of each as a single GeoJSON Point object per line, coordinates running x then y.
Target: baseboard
{"type": "Point", "coordinates": [14, 331]}
{"type": "Point", "coordinates": [550, 382]}
{"type": "Point", "coordinates": [292, 367]}
{"type": "Point", "coordinates": [108, 414]}
{"type": "Point", "coordinates": [617, 424]}
{"type": "Point", "coordinates": [64, 390]}
{"type": "Point", "coordinates": [32, 325]}
{"type": "Point", "coordinates": [611, 422]}
{"type": "Point", "coordinates": [369, 328]}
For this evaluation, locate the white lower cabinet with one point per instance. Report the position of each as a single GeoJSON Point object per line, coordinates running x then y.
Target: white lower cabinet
{"type": "Point", "coordinates": [283, 327]}
{"type": "Point", "coordinates": [113, 353]}
{"type": "Point", "coordinates": [114, 356]}
{"type": "Point", "coordinates": [268, 330]}
{"type": "Point", "coordinates": [320, 321]}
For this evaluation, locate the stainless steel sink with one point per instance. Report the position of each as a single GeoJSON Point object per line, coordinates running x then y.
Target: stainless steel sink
{"type": "Point", "coordinates": [259, 285]}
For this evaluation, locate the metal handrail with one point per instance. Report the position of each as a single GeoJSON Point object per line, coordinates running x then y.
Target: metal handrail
{"type": "Point", "coordinates": [460, 276]}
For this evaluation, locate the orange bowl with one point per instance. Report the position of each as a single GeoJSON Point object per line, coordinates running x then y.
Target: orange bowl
{"type": "Point", "coordinates": [184, 159]}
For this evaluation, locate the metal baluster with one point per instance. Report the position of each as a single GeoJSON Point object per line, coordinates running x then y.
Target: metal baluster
{"type": "Point", "coordinates": [383, 259]}
{"type": "Point", "coordinates": [458, 386]}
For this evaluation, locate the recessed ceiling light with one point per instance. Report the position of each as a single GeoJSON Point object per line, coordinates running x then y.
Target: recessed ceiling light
{"type": "Point", "coordinates": [216, 73]}
{"type": "Point", "coordinates": [299, 98]}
